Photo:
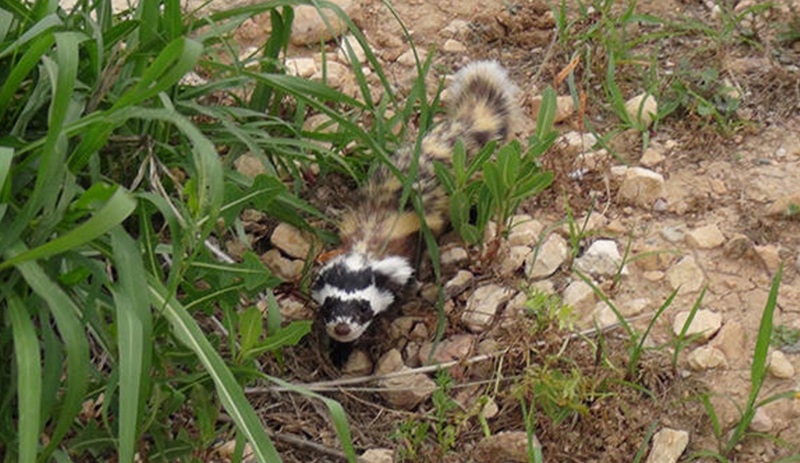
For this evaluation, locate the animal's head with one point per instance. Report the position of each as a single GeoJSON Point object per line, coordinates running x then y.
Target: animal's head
{"type": "Point", "coordinates": [352, 288]}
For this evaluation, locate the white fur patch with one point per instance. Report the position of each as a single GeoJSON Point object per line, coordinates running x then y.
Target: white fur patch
{"type": "Point", "coordinates": [356, 330]}
{"type": "Point", "coordinates": [396, 268]}
{"type": "Point", "coordinates": [355, 261]}
{"type": "Point", "coordinates": [379, 300]}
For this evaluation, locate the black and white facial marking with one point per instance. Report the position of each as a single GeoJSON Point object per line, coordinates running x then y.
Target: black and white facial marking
{"type": "Point", "coordinates": [352, 288]}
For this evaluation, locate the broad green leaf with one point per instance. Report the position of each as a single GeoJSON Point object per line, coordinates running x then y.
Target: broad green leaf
{"type": "Point", "coordinates": [37, 30]}
{"type": "Point", "coordinates": [547, 113]}
{"type": "Point", "coordinates": [6, 156]}
{"type": "Point", "coordinates": [250, 328]}
{"type": "Point", "coordinates": [65, 312]}
{"type": "Point", "coordinates": [460, 206]}
{"type": "Point", "coordinates": [29, 377]}
{"type": "Point", "coordinates": [287, 336]}
{"type": "Point", "coordinates": [228, 390]}
{"type": "Point", "coordinates": [264, 190]}
{"type": "Point", "coordinates": [445, 177]}
{"type": "Point", "coordinates": [20, 70]}
{"type": "Point", "coordinates": [117, 209]}
{"type": "Point", "coordinates": [274, 317]}
{"type": "Point", "coordinates": [134, 334]}
{"type": "Point", "coordinates": [758, 370]}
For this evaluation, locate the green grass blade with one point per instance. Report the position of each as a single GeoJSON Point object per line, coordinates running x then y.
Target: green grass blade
{"type": "Point", "coordinates": [177, 58]}
{"type": "Point", "coordinates": [758, 370]}
{"type": "Point", "coordinates": [29, 377]}
{"type": "Point", "coordinates": [37, 30]}
{"type": "Point", "coordinates": [600, 294]}
{"type": "Point", "coordinates": [639, 348]}
{"type": "Point", "coordinates": [134, 321]}
{"type": "Point", "coordinates": [230, 393]}
{"type": "Point", "coordinates": [6, 156]}
{"type": "Point", "coordinates": [117, 209]}
{"type": "Point", "coordinates": [21, 69]}
{"type": "Point", "coordinates": [338, 415]}
{"type": "Point", "coordinates": [64, 311]}
{"type": "Point", "coordinates": [681, 342]}
{"type": "Point", "coordinates": [547, 113]}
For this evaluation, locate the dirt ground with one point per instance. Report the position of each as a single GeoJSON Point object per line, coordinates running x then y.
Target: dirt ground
{"type": "Point", "coordinates": [727, 176]}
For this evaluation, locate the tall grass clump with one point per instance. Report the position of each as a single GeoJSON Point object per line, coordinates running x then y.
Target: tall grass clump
{"type": "Point", "coordinates": [115, 181]}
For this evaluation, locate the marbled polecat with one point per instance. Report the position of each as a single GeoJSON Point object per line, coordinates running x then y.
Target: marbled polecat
{"type": "Point", "coordinates": [378, 236]}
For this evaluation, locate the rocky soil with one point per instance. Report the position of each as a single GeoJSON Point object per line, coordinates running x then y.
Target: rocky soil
{"type": "Point", "coordinates": [697, 211]}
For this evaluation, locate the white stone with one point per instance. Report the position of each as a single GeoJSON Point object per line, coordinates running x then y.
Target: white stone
{"type": "Point", "coordinates": [457, 347]}
{"type": "Point", "coordinates": [634, 307]}
{"type": "Point", "coordinates": [358, 364]}
{"type": "Point", "coordinates": [602, 259]}
{"type": "Point", "coordinates": [779, 365]}
{"type": "Point", "coordinates": [673, 234]}
{"type": "Point", "coordinates": [291, 309]}
{"type": "Point", "coordinates": [505, 446]}
{"type": "Point", "coordinates": [565, 108]}
{"type": "Point", "coordinates": [291, 241]}
{"type": "Point", "coordinates": [731, 341]}
{"type": "Point", "coordinates": [377, 456]}
{"type": "Point", "coordinates": [301, 67]}
{"type": "Point", "coordinates": [705, 323]}
{"type": "Point", "coordinates": [453, 46]}
{"type": "Point", "coordinates": [249, 165]}
{"type": "Point", "coordinates": [707, 358]}
{"type": "Point", "coordinates": [618, 172]}
{"type": "Point", "coordinates": [686, 275]}
{"type": "Point", "coordinates": [456, 28]}
{"type": "Point", "coordinates": [407, 58]}
{"type": "Point", "coordinates": [707, 237]}
{"type": "Point", "coordinates": [547, 258]}
{"type": "Point", "coordinates": [513, 260]}
{"type": "Point", "coordinates": [283, 268]}
{"type": "Point", "coordinates": [575, 143]}
{"type": "Point", "coordinates": [482, 306]}
{"type": "Point", "coordinates": [642, 109]}
{"type": "Point", "coordinates": [592, 161]}
{"type": "Point", "coordinates": [668, 446]}
{"type": "Point", "coordinates": [334, 74]}
{"type": "Point", "coordinates": [580, 296]}
{"type": "Point", "coordinates": [524, 231]}
{"type": "Point", "coordinates": [651, 158]}
{"type": "Point", "coordinates": [762, 422]}
{"type": "Point", "coordinates": [309, 28]}
{"type": "Point", "coordinates": [641, 187]}
{"type": "Point", "coordinates": [786, 206]}
{"type": "Point", "coordinates": [454, 256]}
{"type": "Point", "coordinates": [320, 123]}
{"type": "Point", "coordinates": [458, 283]}
{"type": "Point", "coordinates": [343, 53]}
{"type": "Point", "coordinates": [770, 256]}
{"type": "Point", "coordinates": [604, 316]}
{"type": "Point", "coordinates": [490, 408]}
{"type": "Point", "coordinates": [405, 391]}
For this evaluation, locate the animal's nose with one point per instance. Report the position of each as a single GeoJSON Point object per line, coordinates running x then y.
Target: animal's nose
{"type": "Point", "coordinates": [341, 329]}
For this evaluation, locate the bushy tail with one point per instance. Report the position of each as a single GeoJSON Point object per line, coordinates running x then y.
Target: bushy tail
{"type": "Point", "coordinates": [483, 99]}
{"type": "Point", "coordinates": [482, 108]}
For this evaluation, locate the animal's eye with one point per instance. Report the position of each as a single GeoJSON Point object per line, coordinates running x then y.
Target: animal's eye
{"type": "Point", "coordinates": [364, 310]}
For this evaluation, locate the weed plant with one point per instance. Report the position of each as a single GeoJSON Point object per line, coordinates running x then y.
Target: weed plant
{"type": "Point", "coordinates": [115, 181]}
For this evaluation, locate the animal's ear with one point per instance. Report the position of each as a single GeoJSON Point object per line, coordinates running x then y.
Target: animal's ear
{"type": "Point", "coordinates": [397, 270]}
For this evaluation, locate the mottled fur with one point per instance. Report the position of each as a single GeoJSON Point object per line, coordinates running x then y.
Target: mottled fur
{"type": "Point", "coordinates": [379, 238]}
